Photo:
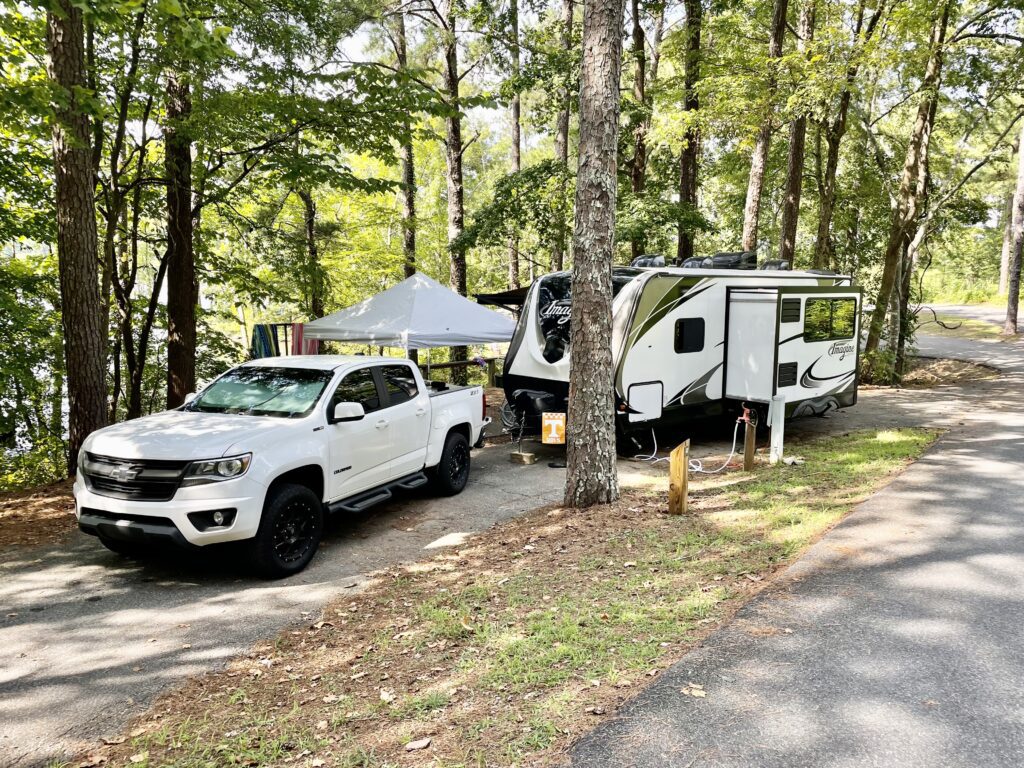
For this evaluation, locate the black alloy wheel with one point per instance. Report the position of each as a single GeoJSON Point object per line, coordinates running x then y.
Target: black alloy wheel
{"type": "Point", "coordinates": [289, 533]}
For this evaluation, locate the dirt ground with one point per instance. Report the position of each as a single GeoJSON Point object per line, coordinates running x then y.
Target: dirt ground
{"type": "Point", "coordinates": [36, 516]}
{"type": "Point", "coordinates": [928, 372]}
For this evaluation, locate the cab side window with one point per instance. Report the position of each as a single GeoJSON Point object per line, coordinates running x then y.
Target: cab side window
{"type": "Point", "coordinates": [358, 387]}
{"type": "Point", "coordinates": [399, 383]}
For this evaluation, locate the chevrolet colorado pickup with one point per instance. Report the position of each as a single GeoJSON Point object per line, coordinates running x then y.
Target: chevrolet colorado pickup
{"type": "Point", "coordinates": [264, 451]}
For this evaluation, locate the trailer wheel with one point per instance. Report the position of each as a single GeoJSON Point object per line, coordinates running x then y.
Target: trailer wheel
{"type": "Point", "coordinates": [289, 532]}
{"type": "Point", "coordinates": [452, 472]}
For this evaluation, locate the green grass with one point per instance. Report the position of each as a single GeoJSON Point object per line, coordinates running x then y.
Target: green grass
{"type": "Point", "coordinates": [525, 648]}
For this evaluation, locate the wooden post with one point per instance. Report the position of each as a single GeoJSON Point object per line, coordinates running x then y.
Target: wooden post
{"type": "Point", "coordinates": [678, 478]}
{"type": "Point", "coordinates": [749, 435]}
{"type": "Point", "coordinates": [490, 371]}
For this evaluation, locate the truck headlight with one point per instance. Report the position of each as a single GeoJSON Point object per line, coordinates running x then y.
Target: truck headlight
{"type": "Point", "coordinates": [215, 470]}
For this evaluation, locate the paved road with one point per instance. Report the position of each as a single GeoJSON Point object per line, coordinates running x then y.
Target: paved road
{"type": "Point", "coordinates": [898, 640]}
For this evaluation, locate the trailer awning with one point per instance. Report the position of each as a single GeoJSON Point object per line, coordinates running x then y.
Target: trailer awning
{"type": "Point", "coordinates": [512, 299]}
{"type": "Point", "coordinates": [415, 314]}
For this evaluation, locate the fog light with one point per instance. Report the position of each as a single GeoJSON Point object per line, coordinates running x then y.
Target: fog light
{"type": "Point", "coordinates": [214, 518]}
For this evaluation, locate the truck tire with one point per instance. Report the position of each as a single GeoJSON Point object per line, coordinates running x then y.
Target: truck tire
{"type": "Point", "coordinates": [452, 472]}
{"type": "Point", "coordinates": [289, 533]}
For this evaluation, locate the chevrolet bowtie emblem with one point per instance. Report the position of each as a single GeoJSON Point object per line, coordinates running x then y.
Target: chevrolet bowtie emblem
{"type": "Point", "coordinates": [124, 472]}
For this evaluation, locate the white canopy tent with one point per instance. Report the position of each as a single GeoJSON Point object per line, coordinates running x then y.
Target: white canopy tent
{"type": "Point", "coordinates": [418, 313]}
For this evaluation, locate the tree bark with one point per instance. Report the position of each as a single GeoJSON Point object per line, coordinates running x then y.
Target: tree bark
{"type": "Point", "coordinates": [77, 264]}
{"type": "Point", "coordinates": [1004, 256]}
{"type": "Point", "coordinates": [689, 156]}
{"type": "Point", "coordinates": [1013, 271]}
{"type": "Point", "coordinates": [407, 159]}
{"type": "Point", "coordinates": [562, 141]}
{"type": "Point", "coordinates": [834, 132]}
{"type": "Point", "coordinates": [759, 158]}
{"type": "Point", "coordinates": [453, 175]}
{"type": "Point", "coordinates": [182, 290]}
{"type": "Point", "coordinates": [517, 161]}
{"type": "Point", "coordinates": [638, 163]}
{"type": "Point", "coordinates": [313, 266]}
{"type": "Point", "coordinates": [797, 144]}
{"type": "Point", "coordinates": [906, 204]}
{"type": "Point", "coordinates": [591, 476]}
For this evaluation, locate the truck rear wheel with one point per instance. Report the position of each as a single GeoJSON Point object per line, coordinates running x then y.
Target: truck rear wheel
{"type": "Point", "coordinates": [289, 533]}
{"type": "Point", "coordinates": [452, 472]}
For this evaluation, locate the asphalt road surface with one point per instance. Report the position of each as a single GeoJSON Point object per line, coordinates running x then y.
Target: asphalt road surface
{"type": "Point", "coordinates": [895, 641]}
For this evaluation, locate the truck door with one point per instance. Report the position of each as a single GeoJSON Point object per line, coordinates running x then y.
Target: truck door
{"type": "Point", "coordinates": [359, 450]}
{"type": "Point", "coordinates": [407, 408]}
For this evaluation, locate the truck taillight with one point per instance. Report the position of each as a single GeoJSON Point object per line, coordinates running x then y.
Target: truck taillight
{"type": "Point", "coordinates": [483, 414]}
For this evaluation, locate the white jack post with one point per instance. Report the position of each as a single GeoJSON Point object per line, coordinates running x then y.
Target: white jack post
{"type": "Point", "coordinates": [777, 422]}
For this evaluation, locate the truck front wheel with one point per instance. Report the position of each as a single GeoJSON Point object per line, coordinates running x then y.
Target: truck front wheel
{"type": "Point", "coordinates": [289, 532]}
{"type": "Point", "coordinates": [452, 472]}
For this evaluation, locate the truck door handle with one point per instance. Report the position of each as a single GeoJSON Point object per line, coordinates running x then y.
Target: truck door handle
{"type": "Point", "coordinates": [420, 411]}
{"type": "Point", "coordinates": [381, 424]}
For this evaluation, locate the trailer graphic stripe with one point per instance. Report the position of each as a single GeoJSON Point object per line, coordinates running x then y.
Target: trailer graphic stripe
{"type": "Point", "coordinates": [695, 386]}
{"type": "Point", "coordinates": [668, 301]}
{"type": "Point", "coordinates": [810, 381]}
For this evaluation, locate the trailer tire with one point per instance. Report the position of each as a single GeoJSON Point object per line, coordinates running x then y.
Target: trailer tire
{"type": "Point", "coordinates": [452, 473]}
{"type": "Point", "coordinates": [290, 531]}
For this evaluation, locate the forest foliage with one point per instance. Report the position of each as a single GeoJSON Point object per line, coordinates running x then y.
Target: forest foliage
{"type": "Point", "coordinates": [305, 118]}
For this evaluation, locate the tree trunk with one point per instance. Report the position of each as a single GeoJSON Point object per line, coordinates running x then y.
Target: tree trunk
{"type": "Point", "coordinates": [453, 174]}
{"type": "Point", "coordinates": [1004, 256]}
{"type": "Point", "coordinates": [1013, 272]}
{"type": "Point", "coordinates": [562, 141]}
{"type": "Point", "coordinates": [638, 163]}
{"type": "Point", "coordinates": [797, 143]}
{"type": "Point", "coordinates": [77, 265]}
{"type": "Point", "coordinates": [591, 476]}
{"type": "Point", "coordinates": [182, 290]}
{"type": "Point", "coordinates": [313, 266]}
{"type": "Point", "coordinates": [759, 159]}
{"type": "Point", "coordinates": [691, 142]}
{"type": "Point", "coordinates": [407, 158]}
{"type": "Point", "coordinates": [906, 205]}
{"type": "Point", "coordinates": [517, 162]}
{"type": "Point", "coordinates": [834, 132]}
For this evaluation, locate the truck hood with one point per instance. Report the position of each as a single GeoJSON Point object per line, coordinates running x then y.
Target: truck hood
{"type": "Point", "coordinates": [184, 435]}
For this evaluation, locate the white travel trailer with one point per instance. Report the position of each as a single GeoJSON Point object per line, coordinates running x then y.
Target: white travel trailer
{"type": "Point", "coordinates": [693, 342]}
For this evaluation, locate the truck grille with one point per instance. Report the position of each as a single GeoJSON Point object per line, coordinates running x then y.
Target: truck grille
{"type": "Point", "coordinates": [134, 479]}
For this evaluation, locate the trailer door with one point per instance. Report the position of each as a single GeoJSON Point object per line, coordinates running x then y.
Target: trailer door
{"type": "Point", "coordinates": [750, 343]}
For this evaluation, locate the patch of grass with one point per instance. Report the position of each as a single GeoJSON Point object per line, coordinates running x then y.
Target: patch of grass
{"type": "Point", "coordinates": [505, 651]}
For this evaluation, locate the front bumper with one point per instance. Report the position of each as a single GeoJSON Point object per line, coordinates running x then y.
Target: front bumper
{"type": "Point", "coordinates": [168, 521]}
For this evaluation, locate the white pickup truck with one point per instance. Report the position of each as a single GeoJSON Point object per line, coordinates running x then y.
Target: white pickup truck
{"type": "Point", "coordinates": [261, 453]}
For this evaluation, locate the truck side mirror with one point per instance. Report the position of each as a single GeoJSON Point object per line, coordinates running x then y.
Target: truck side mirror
{"type": "Point", "coordinates": [347, 412]}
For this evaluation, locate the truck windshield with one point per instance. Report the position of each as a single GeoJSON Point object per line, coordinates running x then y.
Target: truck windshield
{"type": "Point", "coordinates": [259, 391]}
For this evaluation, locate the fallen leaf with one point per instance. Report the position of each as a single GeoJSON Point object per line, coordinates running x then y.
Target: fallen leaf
{"type": "Point", "coordinates": [114, 742]}
{"type": "Point", "coordinates": [140, 757]}
{"type": "Point", "coordinates": [387, 696]}
{"type": "Point", "coordinates": [92, 761]}
{"type": "Point", "coordinates": [629, 564]}
{"type": "Point", "coordinates": [412, 746]}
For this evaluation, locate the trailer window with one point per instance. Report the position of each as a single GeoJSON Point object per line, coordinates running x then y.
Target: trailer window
{"type": "Point", "coordinates": [689, 334]}
{"type": "Point", "coordinates": [829, 319]}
